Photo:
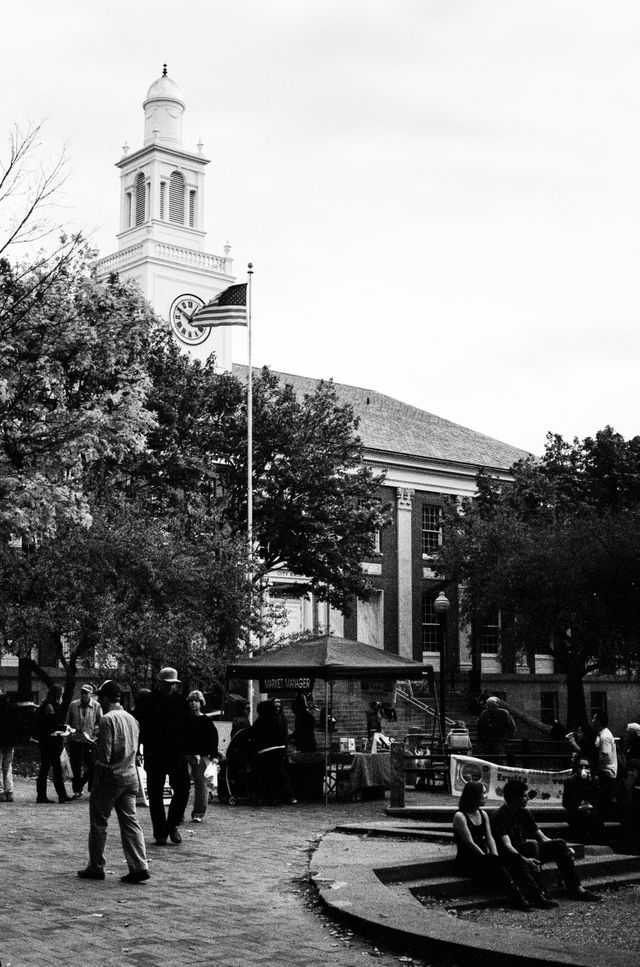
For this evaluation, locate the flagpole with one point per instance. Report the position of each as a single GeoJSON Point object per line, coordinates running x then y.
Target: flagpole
{"type": "Point", "coordinates": [249, 427]}
{"type": "Point", "coordinates": [250, 473]}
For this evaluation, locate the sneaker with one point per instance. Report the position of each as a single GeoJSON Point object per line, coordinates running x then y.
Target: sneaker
{"type": "Point", "coordinates": [77, 795]}
{"type": "Point", "coordinates": [174, 835]}
{"type": "Point", "coordinates": [196, 819]}
{"type": "Point", "coordinates": [582, 894]}
{"type": "Point", "coordinates": [9, 797]}
{"type": "Point", "coordinates": [138, 877]}
{"type": "Point", "coordinates": [161, 841]}
{"type": "Point", "coordinates": [43, 799]}
{"type": "Point", "coordinates": [91, 874]}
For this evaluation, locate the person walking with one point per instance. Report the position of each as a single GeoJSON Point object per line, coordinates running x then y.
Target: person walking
{"type": "Point", "coordinates": [50, 734]}
{"type": "Point", "coordinates": [523, 847]}
{"type": "Point", "coordinates": [9, 733]}
{"type": "Point", "coordinates": [202, 749]}
{"type": "Point", "coordinates": [115, 787]}
{"type": "Point", "coordinates": [495, 728]}
{"type": "Point", "coordinates": [83, 717]}
{"type": "Point", "coordinates": [164, 724]}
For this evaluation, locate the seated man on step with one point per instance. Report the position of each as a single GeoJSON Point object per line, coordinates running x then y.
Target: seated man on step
{"type": "Point", "coordinates": [523, 847]}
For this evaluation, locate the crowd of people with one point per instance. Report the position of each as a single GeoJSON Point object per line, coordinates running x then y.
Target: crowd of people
{"type": "Point", "coordinates": [105, 743]}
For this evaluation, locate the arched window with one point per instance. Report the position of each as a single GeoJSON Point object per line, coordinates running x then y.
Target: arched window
{"type": "Point", "coordinates": [176, 198]}
{"type": "Point", "coordinates": [140, 199]}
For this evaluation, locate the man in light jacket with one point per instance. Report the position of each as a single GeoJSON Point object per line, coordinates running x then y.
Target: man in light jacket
{"type": "Point", "coordinates": [115, 786]}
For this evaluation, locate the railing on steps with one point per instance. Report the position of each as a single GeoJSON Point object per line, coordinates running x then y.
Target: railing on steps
{"type": "Point", "coordinates": [427, 710]}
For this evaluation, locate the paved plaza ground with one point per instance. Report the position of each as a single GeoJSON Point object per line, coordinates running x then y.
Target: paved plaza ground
{"type": "Point", "coordinates": [233, 893]}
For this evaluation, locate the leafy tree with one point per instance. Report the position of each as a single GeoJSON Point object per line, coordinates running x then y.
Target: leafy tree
{"type": "Point", "coordinates": [557, 551]}
{"type": "Point", "coordinates": [72, 390]}
{"type": "Point", "coordinates": [315, 504]}
{"type": "Point", "coordinates": [128, 592]}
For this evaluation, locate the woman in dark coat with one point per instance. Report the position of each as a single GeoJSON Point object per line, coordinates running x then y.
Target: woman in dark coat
{"type": "Point", "coordinates": [303, 736]}
{"type": "Point", "coordinates": [268, 743]}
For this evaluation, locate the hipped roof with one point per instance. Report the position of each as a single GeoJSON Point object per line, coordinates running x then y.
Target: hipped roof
{"type": "Point", "coordinates": [329, 658]}
{"type": "Point", "coordinates": [390, 427]}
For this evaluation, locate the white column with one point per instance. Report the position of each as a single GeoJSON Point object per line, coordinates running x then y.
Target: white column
{"type": "Point", "coordinates": [405, 601]}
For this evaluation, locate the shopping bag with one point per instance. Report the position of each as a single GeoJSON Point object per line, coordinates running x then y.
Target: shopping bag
{"type": "Point", "coordinates": [211, 776]}
{"type": "Point", "coordinates": [67, 774]}
{"type": "Point", "coordinates": [141, 795]}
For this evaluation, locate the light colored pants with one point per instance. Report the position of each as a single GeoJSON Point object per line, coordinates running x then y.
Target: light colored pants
{"type": "Point", "coordinates": [6, 758]}
{"type": "Point", "coordinates": [109, 793]}
{"type": "Point", "coordinates": [197, 765]}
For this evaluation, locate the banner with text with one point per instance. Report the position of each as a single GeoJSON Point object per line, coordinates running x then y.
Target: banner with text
{"type": "Point", "coordinates": [543, 786]}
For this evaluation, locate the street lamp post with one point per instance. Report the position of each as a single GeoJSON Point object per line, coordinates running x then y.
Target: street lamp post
{"type": "Point", "coordinates": [441, 606]}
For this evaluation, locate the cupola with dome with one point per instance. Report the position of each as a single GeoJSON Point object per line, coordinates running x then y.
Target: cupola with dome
{"type": "Point", "coordinates": [161, 235]}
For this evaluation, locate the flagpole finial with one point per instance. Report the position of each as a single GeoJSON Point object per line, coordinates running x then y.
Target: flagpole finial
{"type": "Point", "coordinates": [250, 268]}
{"type": "Point", "coordinates": [164, 70]}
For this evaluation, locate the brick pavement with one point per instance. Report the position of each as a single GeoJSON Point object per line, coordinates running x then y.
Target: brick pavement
{"type": "Point", "coordinates": [233, 893]}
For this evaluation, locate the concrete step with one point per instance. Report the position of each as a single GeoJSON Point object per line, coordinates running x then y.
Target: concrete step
{"type": "Point", "coordinates": [435, 880]}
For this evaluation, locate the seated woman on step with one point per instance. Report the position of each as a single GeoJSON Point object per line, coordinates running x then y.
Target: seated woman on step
{"type": "Point", "coordinates": [477, 855]}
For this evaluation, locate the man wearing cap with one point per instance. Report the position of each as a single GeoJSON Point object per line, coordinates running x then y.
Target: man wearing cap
{"type": "Point", "coordinates": [164, 727]}
{"type": "Point", "coordinates": [495, 728]}
{"type": "Point", "coordinates": [83, 716]}
{"type": "Point", "coordinates": [115, 786]}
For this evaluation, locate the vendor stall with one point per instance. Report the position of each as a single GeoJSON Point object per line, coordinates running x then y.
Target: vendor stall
{"type": "Point", "coordinates": [329, 659]}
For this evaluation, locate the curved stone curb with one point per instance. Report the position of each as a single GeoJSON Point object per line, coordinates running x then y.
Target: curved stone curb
{"type": "Point", "coordinates": [347, 881]}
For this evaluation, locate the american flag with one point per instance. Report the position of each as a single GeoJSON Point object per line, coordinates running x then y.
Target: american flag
{"type": "Point", "coordinates": [229, 308]}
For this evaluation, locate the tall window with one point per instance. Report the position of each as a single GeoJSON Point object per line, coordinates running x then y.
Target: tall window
{"type": "Point", "coordinates": [163, 200]}
{"type": "Point", "coordinates": [548, 707]}
{"type": "Point", "coordinates": [598, 702]}
{"type": "Point", "coordinates": [192, 209]}
{"type": "Point", "coordinates": [176, 198]}
{"type": "Point", "coordinates": [129, 204]}
{"type": "Point", "coordinates": [430, 626]}
{"type": "Point", "coordinates": [490, 635]}
{"type": "Point", "coordinates": [141, 198]}
{"type": "Point", "coordinates": [431, 528]}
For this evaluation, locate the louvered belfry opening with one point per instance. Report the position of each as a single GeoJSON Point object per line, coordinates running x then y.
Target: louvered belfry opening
{"type": "Point", "coordinates": [192, 209]}
{"type": "Point", "coordinates": [140, 199]}
{"type": "Point", "coordinates": [176, 198]}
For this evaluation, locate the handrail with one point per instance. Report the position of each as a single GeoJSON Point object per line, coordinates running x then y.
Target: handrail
{"type": "Point", "coordinates": [426, 709]}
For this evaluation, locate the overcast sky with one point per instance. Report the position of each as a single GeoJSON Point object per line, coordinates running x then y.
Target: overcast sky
{"type": "Point", "coordinates": [441, 198]}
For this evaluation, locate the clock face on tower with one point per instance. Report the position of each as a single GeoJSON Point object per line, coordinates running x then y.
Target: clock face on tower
{"type": "Point", "coordinates": [180, 313]}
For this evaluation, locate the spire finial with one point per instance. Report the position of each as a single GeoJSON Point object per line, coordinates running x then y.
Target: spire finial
{"type": "Point", "coordinates": [164, 70]}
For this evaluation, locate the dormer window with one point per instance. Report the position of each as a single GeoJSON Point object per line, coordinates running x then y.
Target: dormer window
{"type": "Point", "coordinates": [176, 198]}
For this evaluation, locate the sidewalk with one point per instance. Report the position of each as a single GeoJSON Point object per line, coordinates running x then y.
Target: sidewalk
{"type": "Point", "coordinates": [233, 893]}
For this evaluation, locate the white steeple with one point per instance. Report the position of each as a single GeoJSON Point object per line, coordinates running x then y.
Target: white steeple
{"type": "Point", "coordinates": [161, 237]}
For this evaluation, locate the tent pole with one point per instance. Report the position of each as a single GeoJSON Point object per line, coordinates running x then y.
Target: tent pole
{"type": "Point", "coordinates": [326, 741]}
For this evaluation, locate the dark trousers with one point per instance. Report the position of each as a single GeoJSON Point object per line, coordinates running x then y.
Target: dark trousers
{"type": "Point", "coordinates": [50, 760]}
{"type": "Point", "coordinates": [177, 772]}
{"type": "Point", "coordinates": [557, 851]}
{"type": "Point", "coordinates": [608, 786]}
{"type": "Point", "coordinates": [81, 756]}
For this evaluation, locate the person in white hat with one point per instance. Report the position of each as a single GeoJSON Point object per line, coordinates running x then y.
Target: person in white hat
{"type": "Point", "coordinates": [164, 727]}
{"type": "Point", "coordinates": [84, 717]}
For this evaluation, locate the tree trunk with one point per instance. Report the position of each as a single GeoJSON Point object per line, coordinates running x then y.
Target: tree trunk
{"type": "Point", "coordinates": [576, 704]}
